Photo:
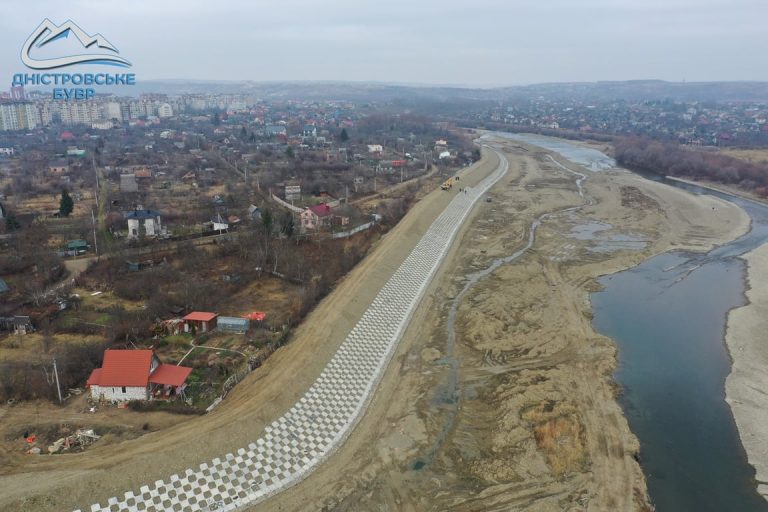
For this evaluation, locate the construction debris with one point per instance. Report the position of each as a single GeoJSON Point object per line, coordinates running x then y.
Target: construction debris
{"type": "Point", "coordinates": [80, 439]}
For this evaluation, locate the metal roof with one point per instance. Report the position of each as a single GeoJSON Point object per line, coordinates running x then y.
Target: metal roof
{"type": "Point", "coordinates": [170, 375]}
{"type": "Point", "coordinates": [200, 316]}
{"type": "Point", "coordinates": [231, 320]}
{"type": "Point", "coordinates": [123, 368]}
{"type": "Point", "coordinates": [142, 214]}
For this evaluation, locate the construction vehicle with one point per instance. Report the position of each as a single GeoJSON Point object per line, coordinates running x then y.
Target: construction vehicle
{"type": "Point", "coordinates": [448, 184]}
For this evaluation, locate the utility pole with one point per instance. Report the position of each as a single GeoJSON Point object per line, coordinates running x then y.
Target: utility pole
{"type": "Point", "coordinates": [95, 241]}
{"type": "Point", "coordinates": [56, 374]}
{"type": "Point", "coordinates": [96, 173]}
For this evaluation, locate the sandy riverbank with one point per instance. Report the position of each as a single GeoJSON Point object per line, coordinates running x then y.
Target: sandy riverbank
{"type": "Point", "coordinates": [747, 385]}
{"type": "Point", "coordinates": [537, 426]}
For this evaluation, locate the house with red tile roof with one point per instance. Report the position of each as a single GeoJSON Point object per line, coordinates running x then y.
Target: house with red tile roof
{"type": "Point", "coordinates": [136, 375]}
{"type": "Point", "coordinates": [316, 217]}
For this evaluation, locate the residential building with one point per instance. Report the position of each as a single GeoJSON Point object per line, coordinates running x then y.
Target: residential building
{"type": "Point", "coordinates": [316, 217]}
{"type": "Point", "coordinates": [18, 115]}
{"type": "Point", "coordinates": [112, 110]}
{"type": "Point", "coordinates": [58, 167]}
{"type": "Point", "coordinates": [136, 375]}
{"type": "Point", "coordinates": [143, 223]}
{"type": "Point", "coordinates": [274, 130]}
{"type": "Point", "coordinates": [218, 223]}
{"type": "Point", "coordinates": [164, 110]}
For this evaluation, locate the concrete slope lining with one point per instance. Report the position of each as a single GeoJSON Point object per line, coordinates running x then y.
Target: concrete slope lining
{"type": "Point", "coordinates": [318, 424]}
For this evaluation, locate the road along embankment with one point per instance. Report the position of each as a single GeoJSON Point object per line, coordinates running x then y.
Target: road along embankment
{"type": "Point", "coordinates": [536, 425]}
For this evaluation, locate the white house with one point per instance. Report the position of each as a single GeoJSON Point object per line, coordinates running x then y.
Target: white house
{"type": "Point", "coordinates": [136, 375]}
{"type": "Point", "coordinates": [219, 223]}
{"type": "Point", "coordinates": [375, 148]}
{"type": "Point", "coordinates": [143, 222]}
{"type": "Point", "coordinates": [444, 154]}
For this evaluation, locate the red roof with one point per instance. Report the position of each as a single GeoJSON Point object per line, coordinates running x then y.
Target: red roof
{"type": "Point", "coordinates": [321, 210]}
{"type": "Point", "coordinates": [94, 378]}
{"type": "Point", "coordinates": [170, 375]}
{"type": "Point", "coordinates": [123, 368]}
{"type": "Point", "coordinates": [257, 316]}
{"type": "Point", "coordinates": [200, 316]}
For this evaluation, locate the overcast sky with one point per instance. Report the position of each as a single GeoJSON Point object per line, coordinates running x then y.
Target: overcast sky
{"type": "Point", "coordinates": [461, 42]}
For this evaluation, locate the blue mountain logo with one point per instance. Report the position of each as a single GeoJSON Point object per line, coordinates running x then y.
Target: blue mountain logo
{"type": "Point", "coordinates": [49, 32]}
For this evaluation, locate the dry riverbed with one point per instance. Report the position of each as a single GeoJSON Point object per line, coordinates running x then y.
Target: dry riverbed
{"type": "Point", "coordinates": [536, 425]}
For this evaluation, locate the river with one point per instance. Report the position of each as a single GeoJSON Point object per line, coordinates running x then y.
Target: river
{"type": "Point", "coordinates": [667, 316]}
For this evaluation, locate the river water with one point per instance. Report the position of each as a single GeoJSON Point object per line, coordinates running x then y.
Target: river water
{"type": "Point", "coordinates": [667, 316]}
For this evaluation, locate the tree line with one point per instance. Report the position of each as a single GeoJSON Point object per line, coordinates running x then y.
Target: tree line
{"type": "Point", "coordinates": [668, 159]}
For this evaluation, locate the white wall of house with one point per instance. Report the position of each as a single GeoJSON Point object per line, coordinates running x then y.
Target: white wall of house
{"type": "Point", "coordinates": [133, 228]}
{"type": "Point", "coordinates": [308, 219]}
{"type": "Point", "coordinates": [149, 225]}
{"type": "Point", "coordinates": [220, 226]}
{"type": "Point", "coordinates": [119, 394]}
{"type": "Point", "coordinates": [152, 227]}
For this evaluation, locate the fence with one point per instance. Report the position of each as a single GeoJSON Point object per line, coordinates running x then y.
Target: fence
{"type": "Point", "coordinates": [287, 205]}
{"type": "Point", "coordinates": [362, 227]}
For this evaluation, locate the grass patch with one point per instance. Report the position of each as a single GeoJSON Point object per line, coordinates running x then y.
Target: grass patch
{"type": "Point", "coordinates": [178, 340]}
{"type": "Point", "coordinates": [172, 406]}
{"type": "Point", "coordinates": [559, 435]}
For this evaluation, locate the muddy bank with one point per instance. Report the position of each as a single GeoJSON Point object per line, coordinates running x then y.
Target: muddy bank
{"type": "Point", "coordinates": [747, 385]}
{"type": "Point", "coordinates": [536, 425]}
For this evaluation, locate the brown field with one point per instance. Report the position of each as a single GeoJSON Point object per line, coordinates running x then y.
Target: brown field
{"type": "Point", "coordinates": [750, 155]}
